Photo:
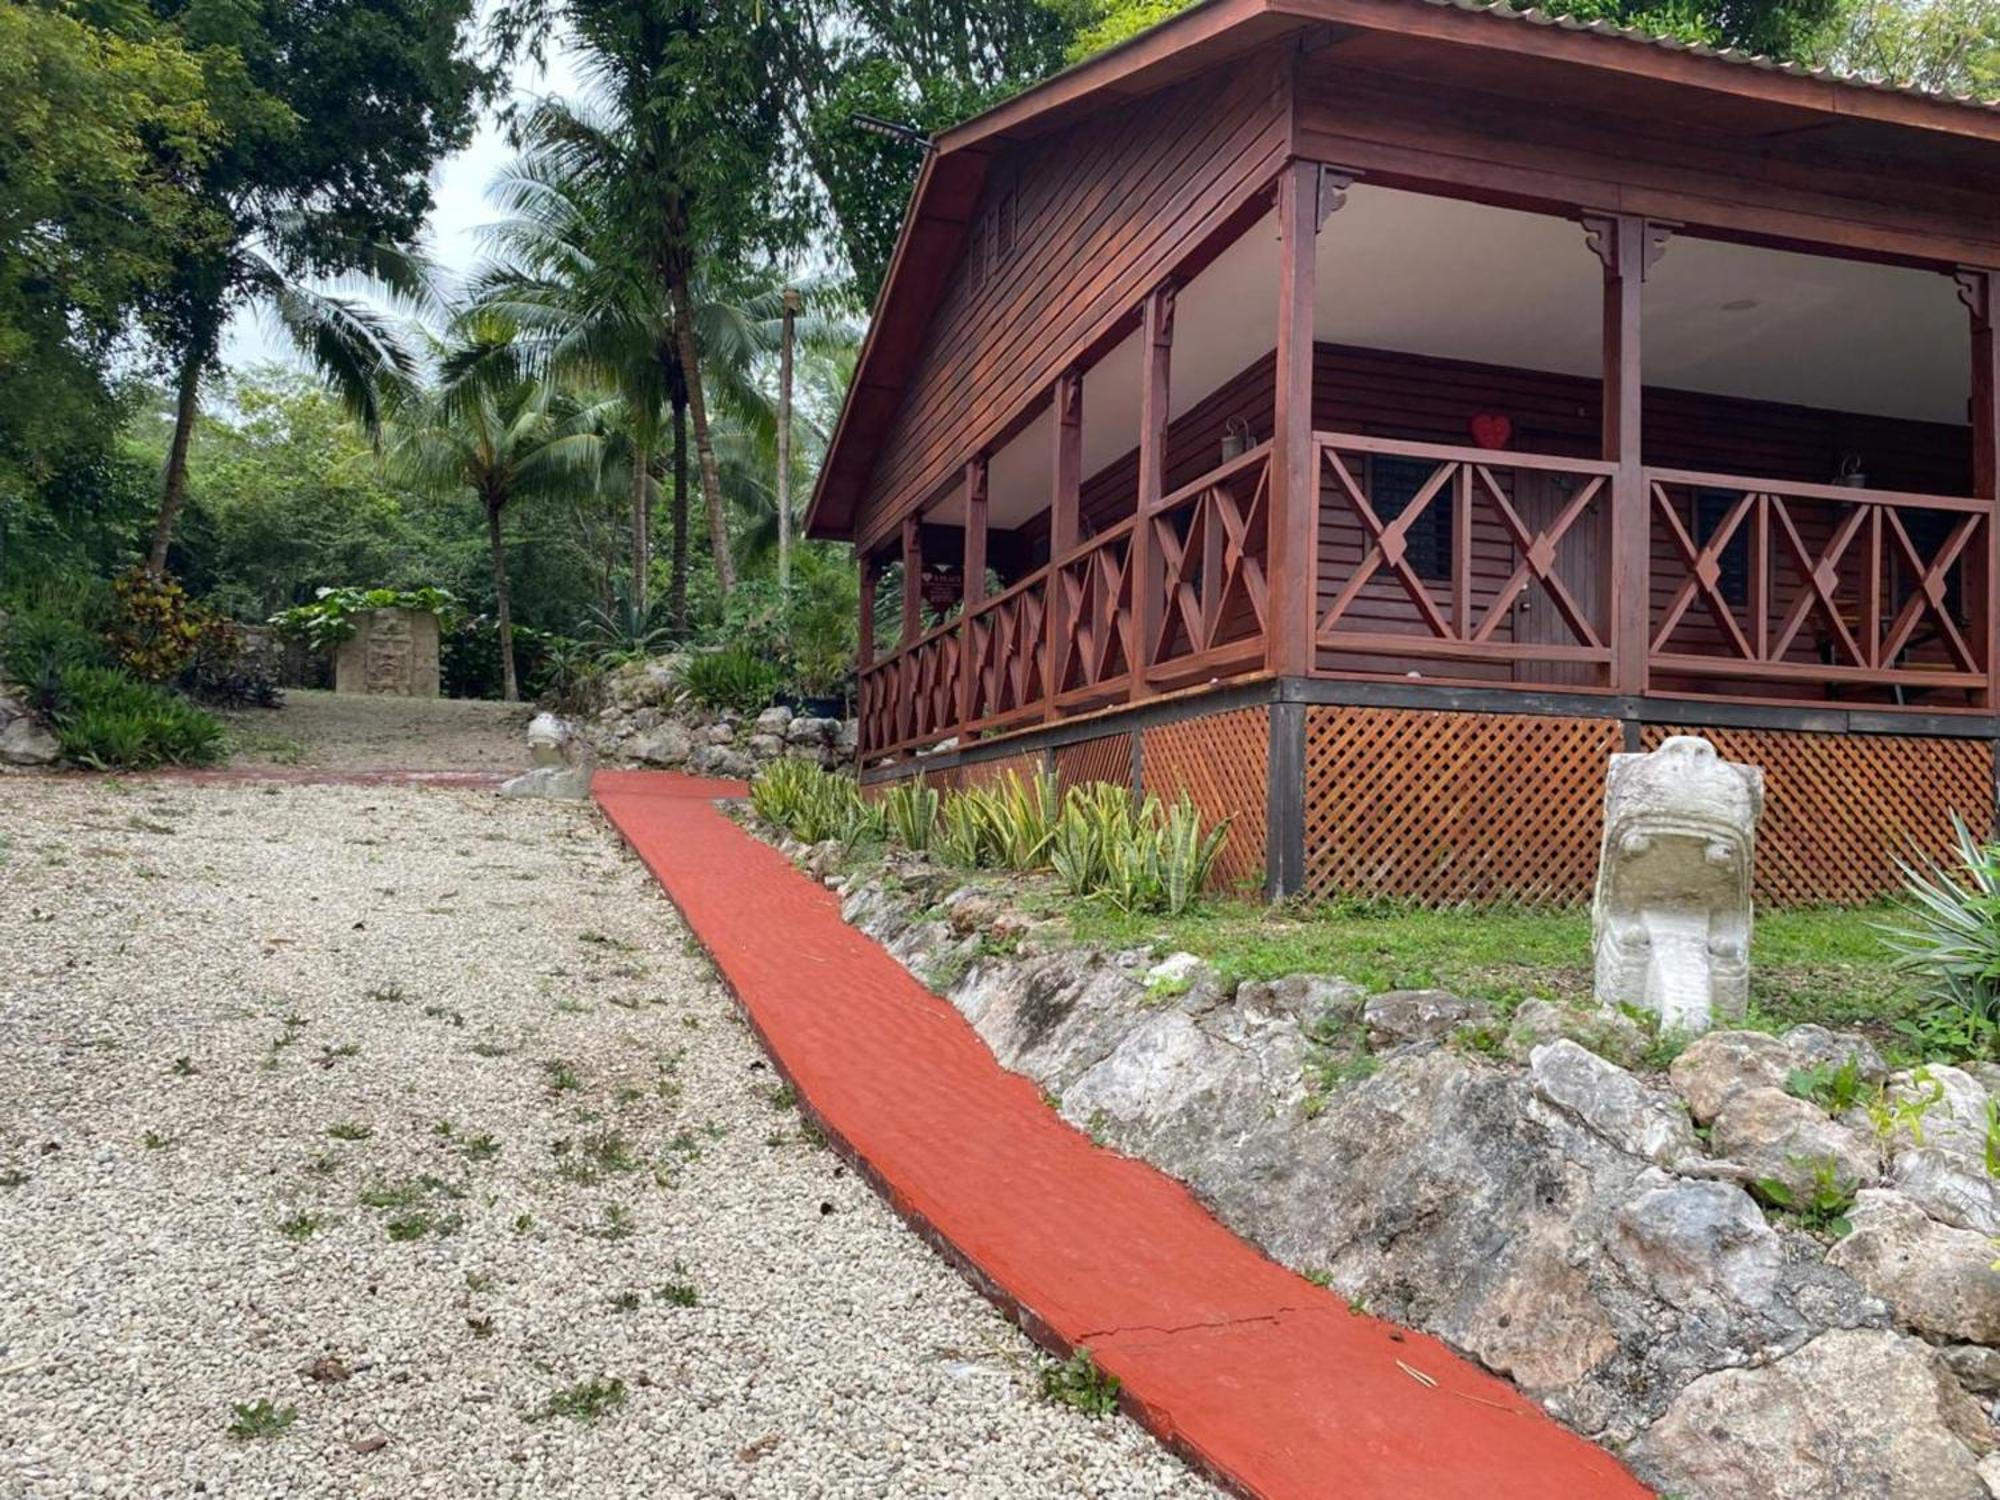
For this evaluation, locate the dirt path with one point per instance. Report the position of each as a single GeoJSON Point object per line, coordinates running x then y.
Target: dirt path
{"type": "Point", "coordinates": [350, 732]}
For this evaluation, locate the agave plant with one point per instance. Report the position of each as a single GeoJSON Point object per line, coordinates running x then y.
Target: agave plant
{"type": "Point", "coordinates": [910, 812]}
{"type": "Point", "coordinates": [1948, 931]}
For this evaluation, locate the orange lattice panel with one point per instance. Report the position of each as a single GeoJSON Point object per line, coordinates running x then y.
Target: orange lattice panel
{"type": "Point", "coordinates": [1107, 758]}
{"type": "Point", "coordinates": [1027, 766]}
{"type": "Point", "coordinates": [1840, 808]}
{"type": "Point", "coordinates": [1222, 762]}
{"type": "Point", "coordinates": [1444, 808]}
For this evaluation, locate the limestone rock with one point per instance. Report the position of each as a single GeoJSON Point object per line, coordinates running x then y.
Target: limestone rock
{"type": "Point", "coordinates": [1670, 922]}
{"type": "Point", "coordinates": [1418, 1015]}
{"type": "Point", "coordinates": [1976, 1366]}
{"type": "Point", "coordinates": [721, 734]}
{"type": "Point", "coordinates": [23, 742]}
{"type": "Point", "coordinates": [1315, 1001]}
{"type": "Point", "coordinates": [1815, 1046]}
{"type": "Point", "coordinates": [668, 745]}
{"type": "Point", "coordinates": [849, 739]}
{"type": "Point", "coordinates": [1857, 1414]}
{"type": "Point", "coordinates": [1698, 1241]}
{"type": "Point", "coordinates": [1611, 1102]}
{"type": "Point", "coordinates": [811, 731]}
{"type": "Point", "coordinates": [1773, 1135]}
{"type": "Point", "coordinates": [553, 783]}
{"type": "Point", "coordinates": [774, 720]}
{"type": "Point", "coordinates": [1724, 1063]}
{"type": "Point", "coordinates": [1609, 1033]}
{"type": "Point", "coordinates": [765, 746]}
{"type": "Point", "coordinates": [1938, 1281]}
{"type": "Point", "coordinates": [720, 760]}
{"type": "Point", "coordinates": [1950, 1187]}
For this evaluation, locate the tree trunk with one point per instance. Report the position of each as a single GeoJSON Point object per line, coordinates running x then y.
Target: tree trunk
{"type": "Point", "coordinates": [711, 478]}
{"type": "Point", "coordinates": [677, 597]}
{"type": "Point", "coordinates": [642, 529]}
{"type": "Point", "coordinates": [503, 604]}
{"type": "Point", "coordinates": [791, 306]}
{"type": "Point", "coordinates": [173, 488]}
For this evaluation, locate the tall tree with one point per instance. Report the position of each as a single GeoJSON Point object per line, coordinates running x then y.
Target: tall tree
{"type": "Point", "coordinates": [492, 427]}
{"type": "Point", "coordinates": [332, 114]}
{"type": "Point", "coordinates": [1948, 46]}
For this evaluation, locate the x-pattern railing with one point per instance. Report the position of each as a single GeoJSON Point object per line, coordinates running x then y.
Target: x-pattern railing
{"type": "Point", "coordinates": [1212, 537]}
{"type": "Point", "coordinates": [1463, 624]}
{"type": "Point", "coordinates": [1096, 652]}
{"type": "Point", "coordinates": [1822, 557]}
{"type": "Point", "coordinates": [1009, 645]}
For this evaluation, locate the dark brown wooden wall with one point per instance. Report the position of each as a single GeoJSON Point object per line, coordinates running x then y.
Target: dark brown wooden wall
{"type": "Point", "coordinates": [1073, 230]}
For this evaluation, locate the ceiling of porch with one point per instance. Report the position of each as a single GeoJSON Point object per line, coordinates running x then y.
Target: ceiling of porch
{"type": "Point", "coordinates": [1459, 280]}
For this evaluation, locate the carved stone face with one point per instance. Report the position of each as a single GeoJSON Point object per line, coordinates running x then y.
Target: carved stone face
{"type": "Point", "coordinates": [1671, 922]}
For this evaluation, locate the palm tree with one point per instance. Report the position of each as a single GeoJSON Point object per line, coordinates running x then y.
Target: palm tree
{"type": "Point", "coordinates": [493, 426]}
{"type": "Point", "coordinates": [348, 339]}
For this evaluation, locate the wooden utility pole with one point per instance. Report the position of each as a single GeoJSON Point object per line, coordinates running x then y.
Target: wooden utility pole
{"type": "Point", "coordinates": [791, 308]}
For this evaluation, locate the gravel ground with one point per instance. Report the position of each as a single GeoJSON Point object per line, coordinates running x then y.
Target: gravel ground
{"type": "Point", "coordinates": [410, 1111]}
{"type": "Point", "coordinates": [352, 732]}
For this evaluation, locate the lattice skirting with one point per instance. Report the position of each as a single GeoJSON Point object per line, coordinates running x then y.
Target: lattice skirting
{"type": "Point", "coordinates": [1445, 808]}
{"type": "Point", "coordinates": [1840, 808]}
{"type": "Point", "coordinates": [1027, 766]}
{"type": "Point", "coordinates": [1107, 758]}
{"type": "Point", "coordinates": [1222, 762]}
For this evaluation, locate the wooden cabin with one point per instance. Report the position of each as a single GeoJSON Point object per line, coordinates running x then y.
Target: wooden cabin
{"type": "Point", "coordinates": [1369, 415]}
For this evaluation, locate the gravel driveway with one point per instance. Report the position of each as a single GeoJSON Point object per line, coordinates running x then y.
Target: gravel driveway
{"type": "Point", "coordinates": [355, 732]}
{"type": "Point", "coordinates": [417, 1116]}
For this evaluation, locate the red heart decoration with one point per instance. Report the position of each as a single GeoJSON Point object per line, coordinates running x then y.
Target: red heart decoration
{"type": "Point", "coordinates": [1491, 430]}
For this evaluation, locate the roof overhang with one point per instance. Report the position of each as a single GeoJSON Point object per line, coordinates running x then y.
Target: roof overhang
{"type": "Point", "coordinates": [1215, 32]}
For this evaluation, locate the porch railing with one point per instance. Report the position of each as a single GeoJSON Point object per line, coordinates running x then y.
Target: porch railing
{"type": "Point", "coordinates": [1212, 538]}
{"type": "Point", "coordinates": [1815, 585]}
{"type": "Point", "coordinates": [1010, 655]}
{"type": "Point", "coordinates": [911, 698]}
{"type": "Point", "coordinates": [1095, 636]}
{"type": "Point", "coordinates": [1382, 596]}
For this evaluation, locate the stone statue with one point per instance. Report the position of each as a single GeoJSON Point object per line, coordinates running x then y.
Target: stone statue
{"type": "Point", "coordinates": [561, 759]}
{"type": "Point", "coordinates": [1670, 926]}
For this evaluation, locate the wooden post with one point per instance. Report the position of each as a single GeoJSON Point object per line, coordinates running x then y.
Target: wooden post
{"type": "Point", "coordinates": [1065, 490]}
{"type": "Point", "coordinates": [973, 588]}
{"type": "Point", "coordinates": [1147, 565]}
{"type": "Point", "coordinates": [864, 647]}
{"type": "Point", "coordinates": [913, 579]}
{"type": "Point", "coordinates": [1307, 193]}
{"type": "Point", "coordinates": [1627, 247]}
{"type": "Point", "coordinates": [1979, 290]}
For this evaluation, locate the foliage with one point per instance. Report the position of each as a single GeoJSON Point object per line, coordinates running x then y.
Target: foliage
{"type": "Point", "coordinates": [43, 640]}
{"type": "Point", "coordinates": [1948, 929]}
{"type": "Point", "coordinates": [1948, 46]}
{"type": "Point", "coordinates": [154, 629]}
{"type": "Point", "coordinates": [1139, 856]}
{"type": "Point", "coordinates": [222, 670]}
{"type": "Point", "coordinates": [1835, 1089]}
{"type": "Point", "coordinates": [732, 678]}
{"type": "Point", "coordinates": [331, 617]}
{"type": "Point", "coordinates": [910, 812]}
{"type": "Point", "coordinates": [814, 805]}
{"type": "Point", "coordinates": [1819, 1208]}
{"type": "Point", "coordinates": [585, 1401]}
{"type": "Point", "coordinates": [110, 721]}
{"type": "Point", "coordinates": [1078, 1382]}
{"type": "Point", "coordinates": [260, 1419]}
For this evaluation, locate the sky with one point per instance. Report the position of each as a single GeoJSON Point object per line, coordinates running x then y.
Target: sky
{"type": "Point", "coordinates": [459, 185]}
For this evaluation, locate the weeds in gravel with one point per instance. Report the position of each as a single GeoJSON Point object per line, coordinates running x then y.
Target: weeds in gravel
{"type": "Point", "coordinates": [184, 1067]}
{"type": "Point", "coordinates": [328, 1056]}
{"type": "Point", "coordinates": [784, 1096]}
{"type": "Point", "coordinates": [478, 1281]}
{"type": "Point", "coordinates": [444, 1013]}
{"type": "Point", "coordinates": [300, 1226]}
{"type": "Point", "coordinates": [481, 1147]}
{"type": "Point", "coordinates": [561, 1077]}
{"type": "Point", "coordinates": [585, 1401]}
{"type": "Point", "coordinates": [1078, 1383]}
{"type": "Point", "coordinates": [323, 1166]}
{"type": "Point", "coordinates": [415, 1226]}
{"type": "Point", "coordinates": [491, 1049]}
{"type": "Point", "coordinates": [678, 1293]}
{"type": "Point", "coordinates": [617, 1224]}
{"type": "Point", "coordinates": [12, 1177]}
{"type": "Point", "coordinates": [350, 1130]}
{"type": "Point", "coordinates": [625, 1302]}
{"type": "Point", "coordinates": [482, 1327]}
{"type": "Point", "coordinates": [387, 994]}
{"type": "Point", "coordinates": [155, 1141]}
{"type": "Point", "coordinates": [524, 1224]}
{"type": "Point", "coordinates": [259, 1419]}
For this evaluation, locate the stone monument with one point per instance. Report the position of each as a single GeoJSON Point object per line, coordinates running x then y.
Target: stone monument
{"type": "Point", "coordinates": [393, 652]}
{"type": "Point", "coordinates": [1670, 926]}
{"type": "Point", "coordinates": [562, 763]}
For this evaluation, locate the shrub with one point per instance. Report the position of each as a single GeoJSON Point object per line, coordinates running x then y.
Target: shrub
{"type": "Point", "coordinates": [108, 720]}
{"type": "Point", "coordinates": [154, 626]}
{"type": "Point", "coordinates": [731, 678]}
{"type": "Point", "coordinates": [40, 645]}
{"type": "Point", "coordinates": [330, 618]}
{"type": "Point", "coordinates": [1948, 933]}
{"type": "Point", "coordinates": [225, 672]}
{"type": "Point", "coordinates": [814, 805]}
{"type": "Point", "coordinates": [910, 811]}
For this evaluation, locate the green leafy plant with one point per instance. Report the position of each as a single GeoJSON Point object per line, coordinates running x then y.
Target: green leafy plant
{"type": "Point", "coordinates": [254, 1420]}
{"type": "Point", "coordinates": [1078, 1382]}
{"type": "Point", "coordinates": [1892, 1113]}
{"type": "Point", "coordinates": [41, 644]}
{"type": "Point", "coordinates": [333, 615]}
{"type": "Point", "coordinates": [910, 813]}
{"type": "Point", "coordinates": [154, 626]}
{"type": "Point", "coordinates": [1948, 930]}
{"type": "Point", "coordinates": [814, 805]}
{"type": "Point", "coordinates": [107, 720]}
{"type": "Point", "coordinates": [1821, 1207]}
{"type": "Point", "coordinates": [731, 678]}
{"type": "Point", "coordinates": [585, 1401]}
{"type": "Point", "coordinates": [1834, 1089]}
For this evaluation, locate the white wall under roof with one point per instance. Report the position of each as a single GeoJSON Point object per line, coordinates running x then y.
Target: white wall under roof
{"type": "Point", "coordinates": [1459, 280]}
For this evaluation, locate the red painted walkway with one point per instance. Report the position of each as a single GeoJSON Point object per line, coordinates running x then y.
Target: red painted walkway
{"type": "Point", "coordinates": [1266, 1381]}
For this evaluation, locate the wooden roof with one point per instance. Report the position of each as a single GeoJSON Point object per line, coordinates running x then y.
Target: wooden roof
{"type": "Point", "coordinates": [1451, 37]}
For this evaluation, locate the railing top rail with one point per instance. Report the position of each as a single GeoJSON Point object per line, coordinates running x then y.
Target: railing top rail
{"type": "Point", "coordinates": [1091, 544]}
{"type": "Point", "coordinates": [936, 632]}
{"type": "Point", "coordinates": [1806, 491]}
{"type": "Point", "coordinates": [1496, 458]}
{"type": "Point", "coordinates": [1019, 586]}
{"type": "Point", "coordinates": [1249, 458]}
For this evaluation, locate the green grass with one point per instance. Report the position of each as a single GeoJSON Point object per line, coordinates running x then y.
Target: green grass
{"type": "Point", "coordinates": [1818, 964]}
